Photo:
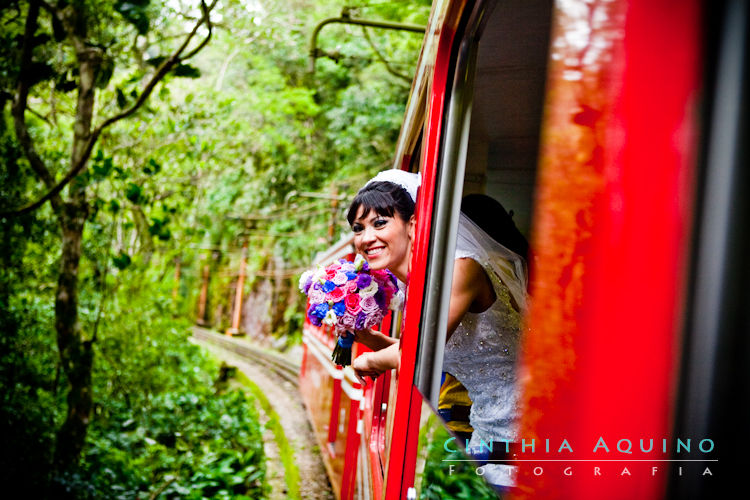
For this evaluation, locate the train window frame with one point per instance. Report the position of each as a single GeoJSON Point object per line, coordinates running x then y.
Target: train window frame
{"type": "Point", "coordinates": [412, 158]}
{"type": "Point", "coordinates": [451, 179]}
{"type": "Point", "coordinates": [449, 185]}
{"type": "Point", "coordinates": [716, 324]}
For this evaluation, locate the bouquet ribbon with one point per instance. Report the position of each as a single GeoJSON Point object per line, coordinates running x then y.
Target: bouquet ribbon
{"type": "Point", "coordinates": [346, 340]}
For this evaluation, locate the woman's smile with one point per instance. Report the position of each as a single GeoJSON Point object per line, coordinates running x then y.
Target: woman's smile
{"type": "Point", "coordinates": [385, 242]}
{"type": "Point", "coordinates": [374, 251]}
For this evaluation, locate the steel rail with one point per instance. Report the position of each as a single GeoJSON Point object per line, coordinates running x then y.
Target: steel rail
{"type": "Point", "coordinates": [283, 368]}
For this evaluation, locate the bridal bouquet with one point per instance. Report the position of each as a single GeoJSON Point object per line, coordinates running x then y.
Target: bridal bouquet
{"type": "Point", "coordinates": [349, 296]}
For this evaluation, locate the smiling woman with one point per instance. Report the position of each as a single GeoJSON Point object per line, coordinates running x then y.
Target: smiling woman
{"type": "Point", "coordinates": [382, 219]}
{"type": "Point", "coordinates": [487, 295]}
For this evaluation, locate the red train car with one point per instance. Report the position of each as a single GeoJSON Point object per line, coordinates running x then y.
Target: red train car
{"type": "Point", "coordinates": [616, 131]}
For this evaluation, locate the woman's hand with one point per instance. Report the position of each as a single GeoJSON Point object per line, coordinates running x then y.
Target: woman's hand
{"type": "Point", "coordinates": [363, 367]}
{"type": "Point", "coordinates": [374, 339]}
{"type": "Point", "coordinates": [372, 364]}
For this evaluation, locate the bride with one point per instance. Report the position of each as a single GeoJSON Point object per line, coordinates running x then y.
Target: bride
{"type": "Point", "coordinates": [488, 296]}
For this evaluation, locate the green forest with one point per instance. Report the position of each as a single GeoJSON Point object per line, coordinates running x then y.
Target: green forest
{"type": "Point", "coordinates": [143, 145]}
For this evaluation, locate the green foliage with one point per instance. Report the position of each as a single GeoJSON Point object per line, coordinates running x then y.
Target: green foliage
{"type": "Point", "coordinates": [28, 391]}
{"type": "Point", "coordinates": [186, 70]}
{"type": "Point", "coordinates": [121, 260]}
{"type": "Point", "coordinates": [159, 424]}
{"type": "Point", "coordinates": [222, 153]}
{"type": "Point", "coordinates": [135, 12]}
{"type": "Point", "coordinates": [29, 382]}
{"type": "Point", "coordinates": [186, 443]}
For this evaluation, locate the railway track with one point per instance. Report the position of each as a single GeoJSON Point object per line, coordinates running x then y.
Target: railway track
{"type": "Point", "coordinates": [278, 380]}
{"type": "Point", "coordinates": [281, 367]}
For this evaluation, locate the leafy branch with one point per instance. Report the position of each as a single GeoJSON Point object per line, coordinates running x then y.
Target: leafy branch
{"type": "Point", "coordinates": [24, 84]}
{"type": "Point", "coordinates": [382, 59]}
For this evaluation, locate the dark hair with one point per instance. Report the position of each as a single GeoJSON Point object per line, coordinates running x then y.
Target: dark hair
{"type": "Point", "coordinates": [491, 216]}
{"type": "Point", "coordinates": [385, 198]}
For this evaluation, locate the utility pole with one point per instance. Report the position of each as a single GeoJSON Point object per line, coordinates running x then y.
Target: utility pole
{"type": "Point", "coordinates": [237, 315]}
{"type": "Point", "coordinates": [176, 287]}
{"type": "Point", "coordinates": [201, 320]}
{"type": "Point", "coordinates": [334, 213]}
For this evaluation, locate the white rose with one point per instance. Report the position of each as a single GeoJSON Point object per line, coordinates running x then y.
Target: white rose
{"type": "Point", "coordinates": [330, 318]}
{"type": "Point", "coordinates": [369, 290]}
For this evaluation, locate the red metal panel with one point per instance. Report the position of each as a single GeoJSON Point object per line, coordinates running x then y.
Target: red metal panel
{"type": "Point", "coordinates": [353, 440]}
{"type": "Point", "coordinates": [376, 394]}
{"type": "Point", "coordinates": [333, 402]}
{"type": "Point", "coordinates": [334, 420]}
{"type": "Point", "coordinates": [402, 453]}
{"type": "Point", "coordinates": [612, 227]}
{"type": "Point", "coordinates": [316, 388]}
{"type": "Point", "coordinates": [376, 434]}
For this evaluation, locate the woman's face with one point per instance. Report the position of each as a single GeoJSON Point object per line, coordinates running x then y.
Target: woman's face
{"type": "Point", "coordinates": [385, 242]}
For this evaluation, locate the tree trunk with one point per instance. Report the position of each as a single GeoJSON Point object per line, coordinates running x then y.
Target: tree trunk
{"type": "Point", "coordinates": [76, 354]}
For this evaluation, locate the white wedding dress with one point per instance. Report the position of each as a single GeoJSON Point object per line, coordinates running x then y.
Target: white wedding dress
{"type": "Point", "coordinates": [484, 348]}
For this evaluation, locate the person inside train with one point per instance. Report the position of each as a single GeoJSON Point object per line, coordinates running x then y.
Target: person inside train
{"type": "Point", "coordinates": [454, 403]}
{"type": "Point", "coordinates": [488, 296]}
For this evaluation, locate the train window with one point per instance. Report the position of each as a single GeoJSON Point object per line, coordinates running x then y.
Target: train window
{"type": "Point", "coordinates": [490, 149]}
{"type": "Point", "coordinates": [503, 143]}
{"type": "Point", "coordinates": [487, 170]}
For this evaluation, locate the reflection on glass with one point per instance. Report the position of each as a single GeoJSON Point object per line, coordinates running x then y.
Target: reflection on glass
{"type": "Point", "coordinates": [442, 474]}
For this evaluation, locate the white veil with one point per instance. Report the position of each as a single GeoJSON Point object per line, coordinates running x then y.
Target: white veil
{"type": "Point", "coordinates": [507, 266]}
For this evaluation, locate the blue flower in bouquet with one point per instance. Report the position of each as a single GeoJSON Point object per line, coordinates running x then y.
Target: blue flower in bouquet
{"type": "Point", "coordinates": [339, 308]}
{"type": "Point", "coordinates": [321, 310]}
{"type": "Point", "coordinates": [314, 319]}
{"type": "Point", "coordinates": [328, 286]}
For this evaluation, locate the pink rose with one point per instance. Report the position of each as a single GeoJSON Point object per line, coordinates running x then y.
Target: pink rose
{"type": "Point", "coordinates": [330, 273]}
{"type": "Point", "coordinates": [316, 296]}
{"type": "Point", "coordinates": [350, 287]}
{"type": "Point", "coordinates": [352, 304]}
{"type": "Point", "coordinates": [348, 267]}
{"type": "Point", "coordinates": [377, 318]}
{"type": "Point", "coordinates": [373, 319]}
{"type": "Point", "coordinates": [369, 305]}
{"type": "Point", "coordinates": [339, 278]}
{"type": "Point", "coordinates": [335, 295]}
{"type": "Point", "coordinates": [347, 321]}
{"type": "Point", "coordinates": [379, 275]}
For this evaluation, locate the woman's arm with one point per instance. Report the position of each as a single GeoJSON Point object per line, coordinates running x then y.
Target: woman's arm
{"type": "Point", "coordinates": [372, 364]}
{"type": "Point", "coordinates": [385, 355]}
{"type": "Point", "coordinates": [374, 339]}
{"type": "Point", "coordinates": [471, 291]}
